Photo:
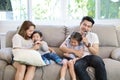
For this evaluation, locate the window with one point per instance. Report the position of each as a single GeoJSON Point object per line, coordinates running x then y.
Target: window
{"type": "Point", "coordinates": [109, 9]}
{"type": "Point", "coordinates": [60, 10]}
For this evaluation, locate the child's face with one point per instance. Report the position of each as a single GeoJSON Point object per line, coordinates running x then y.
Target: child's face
{"type": "Point", "coordinates": [74, 42]}
{"type": "Point", "coordinates": [36, 37]}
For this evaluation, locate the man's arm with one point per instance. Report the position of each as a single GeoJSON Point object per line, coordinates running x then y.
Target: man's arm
{"type": "Point", "coordinates": [65, 49]}
{"type": "Point", "coordinates": [94, 49]}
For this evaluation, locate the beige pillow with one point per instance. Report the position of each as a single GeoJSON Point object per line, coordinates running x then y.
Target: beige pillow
{"type": "Point", "coordinates": [116, 54]}
{"type": "Point", "coordinates": [27, 56]}
{"type": "Point", "coordinates": [6, 54]}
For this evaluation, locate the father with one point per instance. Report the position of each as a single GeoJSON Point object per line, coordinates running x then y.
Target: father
{"type": "Point", "coordinates": [91, 50]}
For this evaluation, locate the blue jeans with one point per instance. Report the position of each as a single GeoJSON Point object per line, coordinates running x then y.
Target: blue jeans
{"type": "Point", "coordinates": [94, 61]}
{"type": "Point", "coordinates": [51, 56]}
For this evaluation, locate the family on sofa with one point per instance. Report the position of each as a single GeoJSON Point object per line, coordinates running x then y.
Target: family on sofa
{"type": "Point", "coordinates": [80, 51]}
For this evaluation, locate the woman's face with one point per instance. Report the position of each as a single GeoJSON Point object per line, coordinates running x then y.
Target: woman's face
{"type": "Point", "coordinates": [36, 37]}
{"type": "Point", "coordinates": [74, 42]}
{"type": "Point", "coordinates": [30, 31]}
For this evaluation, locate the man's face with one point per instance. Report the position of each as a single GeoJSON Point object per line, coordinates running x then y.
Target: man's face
{"type": "Point", "coordinates": [85, 26]}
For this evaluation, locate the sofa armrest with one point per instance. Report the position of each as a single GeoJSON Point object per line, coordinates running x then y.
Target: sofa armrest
{"type": "Point", "coordinates": [6, 54]}
{"type": "Point", "coordinates": [116, 54]}
{"type": "Point", "coordinates": [2, 68]}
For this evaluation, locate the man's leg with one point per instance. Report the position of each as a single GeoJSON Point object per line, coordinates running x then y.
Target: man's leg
{"type": "Point", "coordinates": [80, 69]}
{"type": "Point", "coordinates": [98, 64]}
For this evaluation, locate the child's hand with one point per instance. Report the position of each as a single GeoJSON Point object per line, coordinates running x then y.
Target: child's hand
{"type": "Point", "coordinates": [75, 59]}
{"type": "Point", "coordinates": [36, 47]}
{"type": "Point", "coordinates": [38, 42]}
{"type": "Point", "coordinates": [66, 54]}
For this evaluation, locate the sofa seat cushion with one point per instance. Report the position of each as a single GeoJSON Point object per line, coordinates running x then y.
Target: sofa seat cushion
{"type": "Point", "coordinates": [112, 68]}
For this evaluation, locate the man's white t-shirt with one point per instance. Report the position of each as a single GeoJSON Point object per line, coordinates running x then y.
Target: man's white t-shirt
{"type": "Point", "coordinates": [19, 42]}
{"type": "Point", "coordinates": [92, 39]}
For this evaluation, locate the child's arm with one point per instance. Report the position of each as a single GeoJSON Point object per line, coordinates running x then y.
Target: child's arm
{"type": "Point", "coordinates": [51, 50]}
{"type": "Point", "coordinates": [44, 46]}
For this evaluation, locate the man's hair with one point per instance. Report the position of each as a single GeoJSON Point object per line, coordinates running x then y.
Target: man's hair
{"type": "Point", "coordinates": [88, 18]}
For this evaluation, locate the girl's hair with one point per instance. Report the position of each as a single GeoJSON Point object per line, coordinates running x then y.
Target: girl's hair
{"type": "Point", "coordinates": [77, 36]}
{"type": "Point", "coordinates": [24, 27]}
{"type": "Point", "coordinates": [39, 32]}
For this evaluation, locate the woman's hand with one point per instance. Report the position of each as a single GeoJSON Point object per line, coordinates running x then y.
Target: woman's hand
{"type": "Point", "coordinates": [36, 47]}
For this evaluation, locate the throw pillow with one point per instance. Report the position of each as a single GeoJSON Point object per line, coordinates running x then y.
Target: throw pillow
{"type": "Point", "coordinates": [116, 54]}
{"type": "Point", "coordinates": [27, 56]}
{"type": "Point", "coordinates": [6, 54]}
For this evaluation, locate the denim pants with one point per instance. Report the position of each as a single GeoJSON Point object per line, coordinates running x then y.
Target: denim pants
{"type": "Point", "coordinates": [93, 61]}
{"type": "Point", "coordinates": [51, 56]}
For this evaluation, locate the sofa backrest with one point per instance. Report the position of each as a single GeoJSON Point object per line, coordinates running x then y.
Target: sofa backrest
{"type": "Point", "coordinates": [54, 35]}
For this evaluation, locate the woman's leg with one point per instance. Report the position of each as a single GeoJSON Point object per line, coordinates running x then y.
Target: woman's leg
{"type": "Point", "coordinates": [63, 71]}
{"type": "Point", "coordinates": [71, 69]}
{"type": "Point", "coordinates": [30, 73]}
{"type": "Point", "coordinates": [20, 70]}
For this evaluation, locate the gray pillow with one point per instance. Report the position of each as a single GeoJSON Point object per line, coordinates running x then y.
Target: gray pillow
{"type": "Point", "coordinates": [116, 54]}
{"type": "Point", "coordinates": [6, 54]}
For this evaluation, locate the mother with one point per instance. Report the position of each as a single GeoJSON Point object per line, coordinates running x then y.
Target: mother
{"type": "Point", "coordinates": [22, 40]}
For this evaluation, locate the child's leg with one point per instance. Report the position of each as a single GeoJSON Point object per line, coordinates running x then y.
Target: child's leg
{"type": "Point", "coordinates": [63, 71]}
{"type": "Point", "coordinates": [55, 57]}
{"type": "Point", "coordinates": [71, 69]}
{"type": "Point", "coordinates": [46, 60]}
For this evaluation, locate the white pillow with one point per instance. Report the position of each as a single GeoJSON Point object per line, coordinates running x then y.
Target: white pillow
{"type": "Point", "coordinates": [116, 54]}
{"type": "Point", "coordinates": [27, 56]}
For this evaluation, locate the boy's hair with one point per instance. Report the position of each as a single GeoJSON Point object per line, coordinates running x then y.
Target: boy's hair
{"type": "Point", "coordinates": [24, 27]}
{"type": "Point", "coordinates": [88, 18]}
{"type": "Point", "coordinates": [77, 36]}
{"type": "Point", "coordinates": [36, 31]}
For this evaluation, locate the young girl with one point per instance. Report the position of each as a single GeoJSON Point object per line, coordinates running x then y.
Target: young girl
{"type": "Point", "coordinates": [73, 48]}
{"type": "Point", "coordinates": [46, 52]}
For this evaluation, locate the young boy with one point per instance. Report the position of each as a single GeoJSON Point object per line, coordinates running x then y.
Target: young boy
{"type": "Point", "coordinates": [46, 52]}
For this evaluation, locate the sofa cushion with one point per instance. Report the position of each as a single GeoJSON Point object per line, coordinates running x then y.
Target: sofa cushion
{"type": "Point", "coordinates": [54, 35]}
{"type": "Point", "coordinates": [6, 54]}
{"type": "Point", "coordinates": [112, 68]}
{"type": "Point", "coordinates": [107, 34]}
{"type": "Point", "coordinates": [118, 35]}
{"type": "Point", "coordinates": [9, 36]}
{"type": "Point", "coordinates": [116, 54]}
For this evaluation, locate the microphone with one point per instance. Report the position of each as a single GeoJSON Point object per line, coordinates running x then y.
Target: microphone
{"type": "Point", "coordinates": [85, 33]}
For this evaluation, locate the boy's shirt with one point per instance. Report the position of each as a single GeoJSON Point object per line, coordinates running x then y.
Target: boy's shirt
{"type": "Point", "coordinates": [44, 48]}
